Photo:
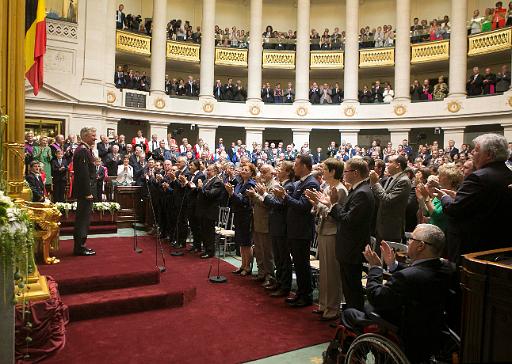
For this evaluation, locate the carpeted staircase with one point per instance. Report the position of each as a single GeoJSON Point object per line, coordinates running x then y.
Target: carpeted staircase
{"type": "Point", "coordinates": [100, 224]}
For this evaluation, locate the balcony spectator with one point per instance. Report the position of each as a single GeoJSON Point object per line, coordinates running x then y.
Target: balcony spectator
{"type": "Point", "coordinates": [336, 41]}
{"type": "Point", "coordinates": [267, 94]}
{"type": "Point", "coordinates": [240, 93]}
{"type": "Point", "coordinates": [499, 16]}
{"type": "Point", "coordinates": [267, 35]}
{"type": "Point", "coordinates": [326, 94]}
{"type": "Point", "coordinates": [167, 85]}
{"type": "Point", "coordinates": [218, 90]}
{"type": "Point", "coordinates": [181, 89]}
{"type": "Point", "coordinates": [315, 40]}
{"type": "Point", "coordinates": [388, 94]}
{"type": "Point", "coordinates": [229, 90]}
{"type": "Point", "coordinates": [475, 83]}
{"type": "Point", "coordinates": [416, 31]}
{"type": "Point", "coordinates": [379, 37]}
{"type": "Point", "coordinates": [365, 96]}
{"type": "Point", "coordinates": [337, 94]}
{"type": "Point", "coordinates": [489, 82]}
{"type": "Point", "coordinates": [289, 94]}
{"type": "Point", "coordinates": [314, 94]}
{"type": "Point", "coordinates": [120, 17]}
{"type": "Point", "coordinates": [503, 78]}
{"type": "Point", "coordinates": [426, 92]}
{"type": "Point", "coordinates": [389, 37]}
{"type": "Point", "coordinates": [440, 89]}
{"type": "Point", "coordinates": [278, 94]}
{"type": "Point", "coordinates": [476, 23]}
{"type": "Point", "coordinates": [416, 91]}
{"type": "Point", "coordinates": [191, 88]}
{"type": "Point", "coordinates": [377, 93]}
{"type": "Point", "coordinates": [325, 42]}
{"type": "Point", "coordinates": [487, 21]}
{"type": "Point", "coordinates": [509, 15]}
{"type": "Point", "coordinates": [119, 78]}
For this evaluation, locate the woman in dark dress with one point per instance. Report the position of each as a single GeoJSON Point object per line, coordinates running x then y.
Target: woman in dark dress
{"type": "Point", "coordinates": [241, 207]}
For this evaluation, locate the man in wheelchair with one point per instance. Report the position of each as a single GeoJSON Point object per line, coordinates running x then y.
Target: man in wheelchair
{"type": "Point", "coordinates": [410, 306]}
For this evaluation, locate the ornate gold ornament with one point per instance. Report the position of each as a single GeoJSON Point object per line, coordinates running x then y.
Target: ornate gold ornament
{"type": "Point", "coordinates": [111, 97]}
{"type": "Point", "coordinates": [133, 43]}
{"type": "Point", "coordinates": [159, 103]}
{"type": "Point", "coordinates": [208, 107]}
{"type": "Point", "coordinates": [278, 59]}
{"type": "Point", "coordinates": [349, 111]}
{"type": "Point", "coordinates": [180, 51]}
{"type": "Point", "coordinates": [302, 111]}
{"type": "Point", "coordinates": [430, 51]}
{"type": "Point", "coordinates": [326, 60]}
{"type": "Point", "coordinates": [231, 56]}
{"type": "Point", "coordinates": [400, 110]}
{"type": "Point", "coordinates": [454, 106]}
{"type": "Point", "coordinates": [254, 110]}
{"type": "Point", "coordinates": [377, 57]}
{"type": "Point", "coordinates": [489, 42]}
{"type": "Point", "coordinates": [510, 101]}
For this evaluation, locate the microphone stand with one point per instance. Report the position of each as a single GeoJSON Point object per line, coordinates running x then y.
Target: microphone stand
{"type": "Point", "coordinates": [136, 248]}
{"type": "Point", "coordinates": [158, 242]}
{"type": "Point", "coordinates": [178, 253]}
{"type": "Point", "coordinates": [218, 278]}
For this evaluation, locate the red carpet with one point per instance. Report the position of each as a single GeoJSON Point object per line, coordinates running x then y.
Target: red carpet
{"type": "Point", "coordinates": [224, 323]}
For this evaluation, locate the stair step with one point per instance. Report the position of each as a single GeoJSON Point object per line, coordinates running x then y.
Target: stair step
{"type": "Point", "coordinates": [93, 229]}
{"type": "Point", "coordinates": [68, 286]}
{"type": "Point", "coordinates": [85, 306]}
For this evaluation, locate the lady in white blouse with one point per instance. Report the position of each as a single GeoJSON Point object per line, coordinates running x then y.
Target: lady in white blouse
{"type": "Point", "coordinates": [388, 94]}
{"type": "Point", "coordinates": [124, 173]}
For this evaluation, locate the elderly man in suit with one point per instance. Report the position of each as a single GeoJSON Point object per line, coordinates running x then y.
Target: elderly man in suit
{"type": "Point", "coordinates": [300, 227]}
{"type": "Point", "coordinates": [353, 228]}
{"type": "Point", "coordinates": [392, 199]}
{"type": "Point", "coordinates": [103, 147]}
{"type": "Point", "coordinates": [414, 299]}
{"type": "Point", "coordinates": [478, 209]}
{"type": "Point", "coordinates": [211, 195]}
{"type": "Point", "coordinates": [261, 232]}
{"type": "Point", "coordinates": [196, 174]}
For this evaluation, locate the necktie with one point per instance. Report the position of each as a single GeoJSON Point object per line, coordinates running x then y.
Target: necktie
{"type": "Point", "coordinates": [388, 182]}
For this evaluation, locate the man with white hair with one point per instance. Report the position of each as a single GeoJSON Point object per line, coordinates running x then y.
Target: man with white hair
{"type": "Point", "coordinates": [478, 210]}
{"type": "Point", "coordinates": [414, 298]}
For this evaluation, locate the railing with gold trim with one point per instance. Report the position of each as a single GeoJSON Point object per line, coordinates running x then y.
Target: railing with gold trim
{"type": "Point", "coordinates": [181, 51]}
{"type": "Point", "coordinates": [231, 57]}
{"type": "Point", "coordinates": [497, 40]}
{"type": "Point", "coordinates": [278, 59]}
{"type": "Point", "coordinates": [326, 60]}
{"type": "Point", "coordinates": [133, 43]}
{"type": "Point", "coordinates": [376, 57]}
{"type": "Point", "coordinates": [430, 51]}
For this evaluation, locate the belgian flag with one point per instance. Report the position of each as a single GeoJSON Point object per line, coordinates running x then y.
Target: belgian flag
{"type": "Point", "coordinates": [35, 42]}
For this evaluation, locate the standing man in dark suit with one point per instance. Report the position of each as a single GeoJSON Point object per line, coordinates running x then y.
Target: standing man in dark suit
{"type": "Point", "coordinates": [84, 187]}
{"type": "Point", "coordinates": [179, 187]}
{"type": "Point", "coordinates": [196, 167]}
{"type": "Point", "coordinates": [101, 174]}
{"type": "Point", "coordinates": [120, 17]}
{"type": "Point", "coordinates": [475, 83]}
{"type": "Point", "coordinates": [59, 168]}
{"type": "Point", "coordinates": [451, 149]}
{"type": "Point", "coordinates": [103, 147]}
{"type": "Point", "coordinates": [35, 182]}
{"type": "Point", "coordinates": [317, 157]}
{"type": "Point", "coordinates": [353, 232]}
{"type": "Point", "coordinates": [210, 196]}
{"type": "Point", "coordinates": [478, 210]}
{"type": "Point", "coordinates": [414, 299]}
{"type": "Point", "coordinates": [300, 226]}
{"type": "Point", "coordinates": [392, 199]}
{"type": "Point", "coordinates": [377, 93]}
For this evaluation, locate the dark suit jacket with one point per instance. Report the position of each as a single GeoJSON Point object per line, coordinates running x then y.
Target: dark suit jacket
{"type": "Point", "coordinates": [377, 93]}
{"type": "Point", "coordinates": [414, 299]}
{"type": "Point", "coordinates": [479, 212]}
{"type": "Point", "coordinates": [112, 162]}
{"type": "Point", "coordinates": [300, 222]}
{"type": "Point", "coordinates": [353, 220]}
{"type": "Point", "coordinates": [277, 213]}
{"type": "Point", "coordinates": [58, 175]}
{"type": "Point", "coordinates": [84, 182]}
{"type": "Point", "coordinates": [180, 192]}
{"type": "Point", "coordinates": [474, 85]}
{"type": "Point", "coordinates": [102, 150]}
{"type": "Point", "coordinates": [209, 198]}
{"type": "Point", "coordinates": [37, 187]}
{"type": "Point", "coordinates": [192, 193]}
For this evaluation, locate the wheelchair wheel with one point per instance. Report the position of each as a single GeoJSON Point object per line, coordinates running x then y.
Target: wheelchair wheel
{"type": "Point", "coordinates": [374, 349]}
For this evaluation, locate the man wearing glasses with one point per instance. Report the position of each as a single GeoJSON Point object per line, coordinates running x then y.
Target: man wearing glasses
{"type": "Point", "coordinates": [414, 298]}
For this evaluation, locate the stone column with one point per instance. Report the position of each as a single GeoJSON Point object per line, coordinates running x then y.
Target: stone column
{"type": "Point", "coordinates": [255, 53]}
{"type": "Point", "coordinates": [158, 47]}
{"type": "Point", "coordinates": [159, 129]}
{"type": "Point", "coordinates": [351, 71]}
{"type": "Point", "coordinates": [110, 46]}
{"type": "Point", "coordinates": [253, 135]}
{"type": "Point", "coordinates": [349, 136]}
{"type": "Point", "coordinates": [302, 53]}
{"type": "Point", "coordinates": [458, 49]}
{"type": "Point", "coordinates": [397, 135]}
{"type": "Point", "coordinates": [207, 71]}
{"type": "Point", "coordinates": [207, 133]}
{"type": "Point", "coordinates": [300, 136]}
{"type": "Point", "coordinates": [402, 51]}
{"type": "Point", "coordinates": [507, 131]}
{"type": "Point", "coordinates": [455, 134]}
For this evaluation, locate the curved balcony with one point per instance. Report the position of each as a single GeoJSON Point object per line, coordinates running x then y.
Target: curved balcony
{"type": "Point", "coordinates": [376, 57]}
{"type": "Point", "coordinates": [490, 42]}
{"type": "Point", "coordinates": [231, 57]}
{"type": "Point", "coordinates": [430, 51]}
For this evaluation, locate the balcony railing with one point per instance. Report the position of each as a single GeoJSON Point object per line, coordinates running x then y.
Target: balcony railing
{"type": "Point", "coordinates": [133, 43]}
{"type": "Point", "coordinates": [185, 52]}
{"type": "Point", "coordinates": [326, 60]}
{"type": "Point", "coordinates": [490, 42]}
{"type": "Point", "coordinates": [430, 52]}
{"type": "Point", "coordinates": [378, 57]}
{"type": "Point", "coordinates": [278, 59]}
{"type": "Point", "coordinates": [231, 57]}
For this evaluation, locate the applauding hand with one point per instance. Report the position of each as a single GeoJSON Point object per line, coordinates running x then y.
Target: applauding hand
{"type": "Point", "coordinates": [200, 183]}
{"type": "Point", "coordinates": [279, 192]}
{"type": "Point", "coordinates": [371, 257]}
{"type": "Point", "coordinates": [229, 188]}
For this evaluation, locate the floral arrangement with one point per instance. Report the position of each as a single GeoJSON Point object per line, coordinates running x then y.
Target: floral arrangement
{"type": "Point", "coordinates": [16, 242]}
{"type": "Point", "coordinates": [65, 207]}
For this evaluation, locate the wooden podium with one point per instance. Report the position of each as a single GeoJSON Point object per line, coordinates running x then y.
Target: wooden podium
{"type": "Point", "coordinates": [486, 282]}
{"type": "Point", "coordinates": [132, 207]}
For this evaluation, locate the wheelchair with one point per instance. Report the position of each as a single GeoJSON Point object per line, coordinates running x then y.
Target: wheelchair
{"type": "Point", "coordinates": [379, 342]}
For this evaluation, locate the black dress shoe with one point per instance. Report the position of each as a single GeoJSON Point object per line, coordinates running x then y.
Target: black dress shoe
{"type": "Point", "coordinates": [273, 287]}
{"type": "Point", "coordinates": [258, 279]}
{"type": "Point", "coordinates": [206, 256]}
{"type": "Point", "coordinates": [280, 293]}
{"type": "Point", "coordinates": [238, 271]}
{"type": "Point", "coordinates": [301, 302]}
{"type": "Point", "coordinates": [85, 252]}
{"type": "Point", "coordinates": [291, 299]}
